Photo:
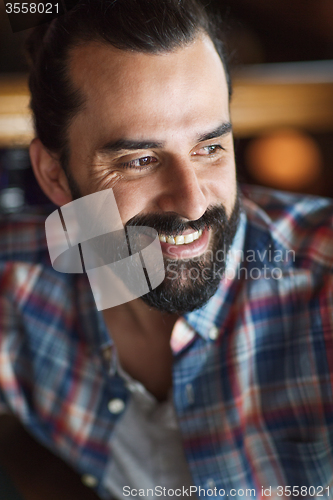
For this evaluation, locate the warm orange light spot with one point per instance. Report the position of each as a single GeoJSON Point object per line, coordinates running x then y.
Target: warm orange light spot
{"type": "Point", "coordinates": [285, 159]}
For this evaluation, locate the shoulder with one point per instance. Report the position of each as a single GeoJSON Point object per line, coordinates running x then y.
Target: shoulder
{"type": "Point", "coordinates": [26, 273]}
{"type": "Point", "coordinates": [302, 224]}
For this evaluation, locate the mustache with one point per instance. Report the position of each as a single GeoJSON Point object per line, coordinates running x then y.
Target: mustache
{"type": "Point", "coordinates": [169, 224]}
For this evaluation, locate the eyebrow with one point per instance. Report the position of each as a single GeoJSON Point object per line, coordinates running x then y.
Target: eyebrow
{"type": "Point", "coordinates": [223, 129]}
{"type": "Point", "coordinates": [123, 144]}
{"type": "Point", "coordinates": [130, 145]}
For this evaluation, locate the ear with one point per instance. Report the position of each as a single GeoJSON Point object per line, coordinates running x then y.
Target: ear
{"type": "Point", "coordinates": [49, 174]}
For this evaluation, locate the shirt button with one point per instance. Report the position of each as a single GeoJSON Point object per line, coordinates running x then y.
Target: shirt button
{"type": "Point", "coordinates": [107, 354]}
{"type": "Point", "coordinates": [116, 406]}
{"type": "Point", "coordinates": [189, 393]}
{"type": "Point", "coordinates": [213, 333]}
{"type": "Point", "coordinates": [134, 387]}
{"type": "Point", "coordinates": [210, 483]}
{"type": "Point", "coordinates": [89, 480]}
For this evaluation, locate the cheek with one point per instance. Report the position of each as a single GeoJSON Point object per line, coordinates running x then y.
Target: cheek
{"type": "Point", "coordinates": [223, 185]}
{"type": "Point", "coordinates": [132, 198]}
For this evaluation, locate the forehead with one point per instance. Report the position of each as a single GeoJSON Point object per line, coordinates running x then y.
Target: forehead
{"type": "Point", "coordinates": [134, 94]}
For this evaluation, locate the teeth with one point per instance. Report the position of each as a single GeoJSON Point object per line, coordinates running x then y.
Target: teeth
{"type": "Point", "coordinates": [188, 238]}
{"type": "Point", "coordinates": [182, 239]}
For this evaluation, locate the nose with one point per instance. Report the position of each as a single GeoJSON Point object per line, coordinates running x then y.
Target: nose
{"type": "Point", "coordinates": [183, 192]}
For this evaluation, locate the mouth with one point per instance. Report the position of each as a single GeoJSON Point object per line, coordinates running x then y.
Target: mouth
{"type": "Point", "coordinates": [183, 239]}
{"type": "Point", "coordinates": [187, 245]}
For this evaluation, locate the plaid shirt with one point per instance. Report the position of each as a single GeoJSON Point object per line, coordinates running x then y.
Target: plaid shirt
{"type": "Point", "coordinates": [252, 372]}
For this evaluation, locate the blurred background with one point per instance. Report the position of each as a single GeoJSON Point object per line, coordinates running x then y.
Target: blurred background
{"type": "Point", "coordinates": [281, 57]}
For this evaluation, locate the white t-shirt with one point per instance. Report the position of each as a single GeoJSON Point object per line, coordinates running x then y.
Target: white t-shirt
{"type": "Point", "coordinates": [147, 451]}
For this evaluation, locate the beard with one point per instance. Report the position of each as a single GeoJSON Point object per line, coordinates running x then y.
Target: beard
{"type": "Point", "coordinates": [190, 283]}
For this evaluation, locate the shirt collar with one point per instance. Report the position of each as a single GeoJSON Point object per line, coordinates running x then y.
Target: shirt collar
{"type": "Point", "coordinates": [207, 320]}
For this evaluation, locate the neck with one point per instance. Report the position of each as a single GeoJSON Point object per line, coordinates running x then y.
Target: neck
{"type": "Point", "coordinates": [142, 339]}
{"type": "Point", "coordinates": [146, 321]}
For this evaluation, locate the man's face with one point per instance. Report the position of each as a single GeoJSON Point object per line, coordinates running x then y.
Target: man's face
{"type": "Point", "coordinates": [156, 129]}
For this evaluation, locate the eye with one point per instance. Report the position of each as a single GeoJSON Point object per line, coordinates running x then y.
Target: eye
{"type": "Point", "coordinates": [208, 150]}
{"type": "Point", "coordinates": [139, 163]}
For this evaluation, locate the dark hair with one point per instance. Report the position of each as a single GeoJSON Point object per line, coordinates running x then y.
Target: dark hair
{"type": "Point", "coordinates": [150, 26]}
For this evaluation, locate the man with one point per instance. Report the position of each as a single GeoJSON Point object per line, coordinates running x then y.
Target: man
{"type": "Point", "coordinates": [218, 379]}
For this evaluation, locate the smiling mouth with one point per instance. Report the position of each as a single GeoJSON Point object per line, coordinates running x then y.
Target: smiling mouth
{"type": "Point", "coordinates": [182, 239]}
